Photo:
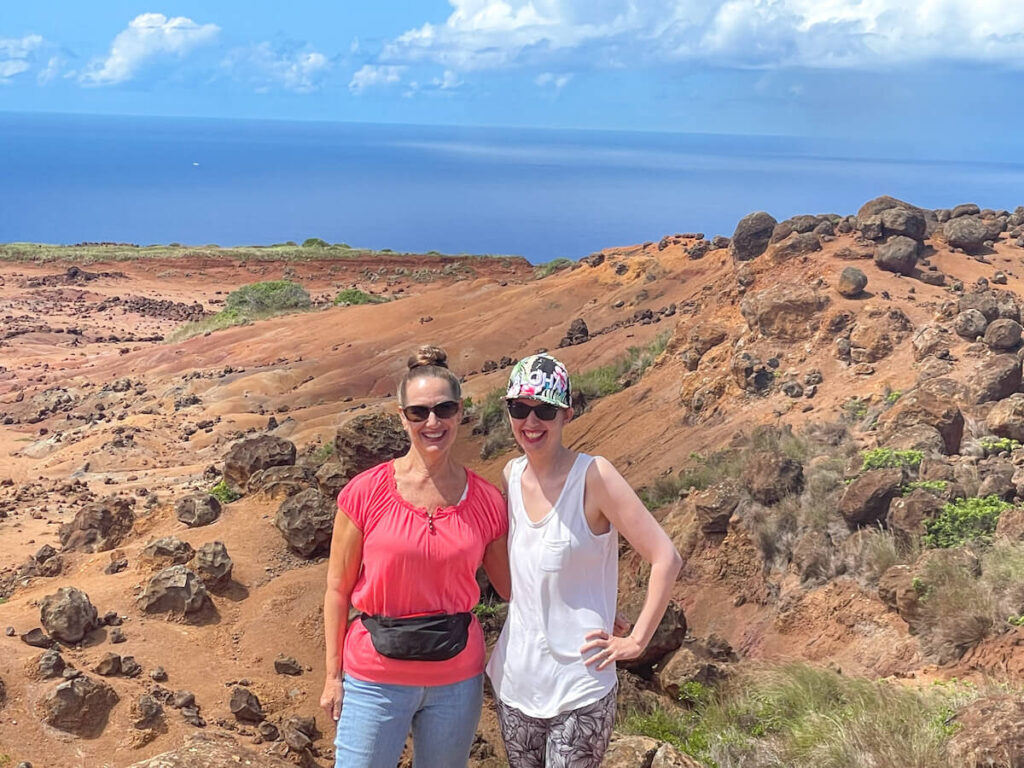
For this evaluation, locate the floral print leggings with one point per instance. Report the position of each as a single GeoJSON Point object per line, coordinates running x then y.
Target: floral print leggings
{"type": "Point", "coordinates": [574, 739]}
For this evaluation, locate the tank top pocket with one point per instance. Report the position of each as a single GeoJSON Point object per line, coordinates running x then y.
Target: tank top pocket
{"type": "Point", "coordinates": [554, 554]}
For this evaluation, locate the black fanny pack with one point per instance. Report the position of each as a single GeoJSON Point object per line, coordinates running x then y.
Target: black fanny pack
{"type": "Point", "coordinates": [436, 637]}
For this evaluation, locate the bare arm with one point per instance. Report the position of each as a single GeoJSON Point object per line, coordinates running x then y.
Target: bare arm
{"type": "Point", "coordinates": [496, 565]}
{"type": "Point", "coordinates": [624, 510]}
{"type": "Point", "coordinates": [342, 571]}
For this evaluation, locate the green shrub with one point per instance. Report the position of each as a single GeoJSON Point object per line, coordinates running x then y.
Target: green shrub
{"type": "Point", "coordinates": [892, 396]}
{"type": "Point", "coordinates": [492, 421]}
{"type": "Point", "coordinates": [964, 520]}
{"type": "Point", "coordinates": [267, 298]}
{"type": "Point", "coordinates": [617, 375]}
{"type": "Point", "coordinates": [322, 453]}
{"type": "Point", "coordinates": [887, 458]}
{"type": "Point", "coordinates": [999, 444]}
{"type": "Point", "coordinates": [355, 296]}
{"type": "Point", "coordinates": [662, 492]}
{"type": "Point", "coordinates": [224, 493]}
{"type": "Point", "coordinates": [314, 242]}
{"type": "Point", "coordinates": [855, 409]}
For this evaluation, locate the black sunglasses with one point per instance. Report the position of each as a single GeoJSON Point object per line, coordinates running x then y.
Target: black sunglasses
{"type": "Point", "coordinates": [544, 411]}
{"type": "Point", "coordinates": [444, 410]}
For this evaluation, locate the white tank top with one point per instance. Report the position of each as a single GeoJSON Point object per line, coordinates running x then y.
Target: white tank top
{"type": "Point", "coordinates": [564, 585]}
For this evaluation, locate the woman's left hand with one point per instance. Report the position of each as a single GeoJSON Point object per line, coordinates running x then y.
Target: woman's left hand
{"type": "Point", "coordinates": [611, 648]}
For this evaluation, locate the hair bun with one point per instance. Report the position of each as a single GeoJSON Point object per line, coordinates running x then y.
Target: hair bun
{"type": "Point", "coordinates": [428, 355]}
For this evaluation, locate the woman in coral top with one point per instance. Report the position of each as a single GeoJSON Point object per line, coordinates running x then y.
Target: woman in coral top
{"type": "Point", "coordinates": [407, 542]}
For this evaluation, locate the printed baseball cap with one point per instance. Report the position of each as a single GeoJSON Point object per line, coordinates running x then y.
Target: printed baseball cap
{"type": "Point", "coordinates": [540, 377]}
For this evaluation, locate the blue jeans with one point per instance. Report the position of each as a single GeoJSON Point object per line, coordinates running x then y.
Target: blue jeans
{"type": "Point", "coordinates": [376, 718]}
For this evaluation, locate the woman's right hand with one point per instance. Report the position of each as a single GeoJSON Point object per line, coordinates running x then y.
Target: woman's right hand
{"type": "Point", "coordinates": [330, 699]}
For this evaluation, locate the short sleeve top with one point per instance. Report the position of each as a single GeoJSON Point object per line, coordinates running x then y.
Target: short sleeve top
{"type": "Point", "coordinates": [412, 565]}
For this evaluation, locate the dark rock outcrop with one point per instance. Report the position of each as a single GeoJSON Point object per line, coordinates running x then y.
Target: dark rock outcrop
{"type": "Point", "coordinates": [752, 235]}
{"type": "Point", "coordinates": [254, 454]}
{"type": "Point", "coordinates": [174, 590]}
{"type": "Point", "coordinates": [306, 521]}
{"type": "Point", "coordinates": [99, 527]}
{"type": "Point", "coordinates": [68, 615]}
{"type": "Point", "coordinates": [80, 706]}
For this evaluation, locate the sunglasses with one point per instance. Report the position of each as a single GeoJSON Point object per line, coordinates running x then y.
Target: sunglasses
{"type": "Point", "coordinates": [418, 413]}
{"type": "Point", "coordinates": [520, 411]}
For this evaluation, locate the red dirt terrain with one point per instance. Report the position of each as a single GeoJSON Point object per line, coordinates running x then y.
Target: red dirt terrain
{"type": "Point", "coordinates": [94, 402]}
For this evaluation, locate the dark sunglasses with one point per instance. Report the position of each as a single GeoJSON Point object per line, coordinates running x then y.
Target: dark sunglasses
{"type": "Point", "coordinates": [544, 411]}
{"type": "Point", "coordinates": [444, 410]}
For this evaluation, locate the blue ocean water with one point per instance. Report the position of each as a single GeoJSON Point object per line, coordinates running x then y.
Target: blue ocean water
{"type": "Point", "coordinates": [541, 194]}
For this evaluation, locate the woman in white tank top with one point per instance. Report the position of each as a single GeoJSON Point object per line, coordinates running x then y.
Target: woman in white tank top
{"type": "Point", "coordinates": [553, 668]}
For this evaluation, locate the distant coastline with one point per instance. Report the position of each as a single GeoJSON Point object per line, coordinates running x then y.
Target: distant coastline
{"type": "Point", "coordinates": [541, 194]}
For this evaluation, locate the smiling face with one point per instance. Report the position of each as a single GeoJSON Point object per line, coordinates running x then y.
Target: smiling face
{"type": "Point", "coordinates": [535, 435]}
{"type": "Point", "coordinates": [435, 436]}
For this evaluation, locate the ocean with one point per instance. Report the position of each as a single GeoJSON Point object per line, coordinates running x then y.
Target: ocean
{"type": "Point", "coordinates": [542, 194]}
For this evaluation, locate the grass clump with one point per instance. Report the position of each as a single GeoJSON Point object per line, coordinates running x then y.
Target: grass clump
{"type": "Point", "coordinates": [888, 458]}
{"type": "Point", "coordinates": [550, 267]}
{"type": "Point", "coordinates": [315, 242]}
{"type": "Point", "coordinates": [492, 421]}
{"type": "Point", "coordinates": [619, 374]}
{"type": "Point", "coordinates": [224, 493]}
{"type": "Point", "coordinates": [799, 716]}
{"type": "Point", "coordinates": [350, 296]}
{"type": "Point", "coordinates": [964, 520]}
{"type": "Point", "coordinates": [322, 453]}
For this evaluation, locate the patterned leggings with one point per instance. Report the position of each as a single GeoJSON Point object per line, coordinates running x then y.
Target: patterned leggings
{"type": "Point", "coordinates": [574, 739]}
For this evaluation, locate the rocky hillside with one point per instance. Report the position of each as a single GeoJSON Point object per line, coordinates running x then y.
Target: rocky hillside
{"type": "Point", "coordinates": [823, 413]}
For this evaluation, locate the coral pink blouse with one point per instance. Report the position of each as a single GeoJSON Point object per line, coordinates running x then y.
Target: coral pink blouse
{"type": "Point", "coordinates": [413, 565]}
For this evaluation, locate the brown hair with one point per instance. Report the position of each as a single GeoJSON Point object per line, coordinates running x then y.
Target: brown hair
{"type": "Point", "coordinates": [429, 362]}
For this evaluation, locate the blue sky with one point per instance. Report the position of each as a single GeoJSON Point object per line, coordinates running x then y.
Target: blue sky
{"type": "Point", "coordinates": [942, 72]}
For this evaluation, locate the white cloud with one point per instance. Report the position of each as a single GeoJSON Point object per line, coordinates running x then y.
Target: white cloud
{"type": "Point", "coordinates": [147, 36]}
{"type": "Point", "coordinates": [16, 55]}
{"type": "Point", "coordinates": [264, 66]}
{"type": "Point", "coordinates": [370, 76]}
{"type": "Point", "coordinates": [448, 81]}
{"type": "Point", "coordinates": [856, 34]}
{"type": "Point", "coordinates": [551, 80]}
{"type": "Point", "coordinates": [53, 68]}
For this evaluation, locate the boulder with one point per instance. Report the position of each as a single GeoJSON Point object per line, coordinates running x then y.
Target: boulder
{"type": "Point", "coordinates": [985, 301]}
{"type": "Point", "coordinates": [51, 664]}
{"type": "Point", "coordinates": [80, 706]}
{"type": "Point", "coordinates": [898, 254]}
{"type": "Point", "coordinates": [212, 750]}
{"type": "Point", "coordinates": [966, 232]}
{"type": "Point", "coordinates": [991, 733]}
{"type": "Point", "coordinates": [898, 589]}
{"type": "Point", "coordinates": [770, 476]}
{"type": "Point", "coordinates": [714, 506]}
{"type": "Point", "coordinates": [1006, 419]}
{"type": "Point", "coordinates": [997, 479]}
{"type": "Point", "coordinates": [908, 514]}
{"type": "Point", "coordinates": [918, 437]}
{"type": "Point", "coordinates": [852, 282]}
{"type": "Point", "coordinates": [797, 244]}
{"type": "Point", "coordinates": [168, 550]}
{"type": "Point", "coordinates": [577, 333]}
{"type": "Point", "coordinates": [705, 337]}
{"type": "Point", "coordinates": [684, 666]}
{"type": "Point", "coordinates": [964, 209]}
{"type": "Point", "coordinates": [197, 509]}
{"type": "Point", "coordinates": [100, 526]}
{"type": "Point", "coordinates": [213, 564]}
{"type": "Point", "coordinates": [1011, 524]}
{"type": "Point", "coordinates": [331, 478]}
{"type": "Point", "coordinates": [109, 665]}
{"type": "Point", "coordinates": [931, 341]}
{"type": "Point", "coordinates": [922, 406]}
{"type": "Point", "coordinates": [751, 236]}
{"type": "Point", "coordinates": [369, 439]}
{"type": "Point", "coordinates": [866, 500]}
{"type": "Point", "coordinates": [306, 520]}
{"type": "Point", "coordinates": [1003, 334]}
{"type": "Point", "coordinates": [280, 482]}
{"type": "Point", "coordinates": [299, 733]}
{"type": "Point", "coordinates": [287, 665]}
{"type": "Point", "coordinates": [905, 222]}
{"type": "Point", "coordinates": [786, 312]}
{"type": "Point", "coordinates": [146, 712]}
{"type": "Point", "coordinates": [253, 454]}
{"type": "Point", "coordinates": [173, 590]}
{"type": "Point", "coordinates": [68, 615]}
{"type": "Point", "coordinates": [245, 706]}
{"type": "Point", "coordinates": [667, 637]}
{"type": "Point", "coordinates": [995, 379]}
{"type": "Point", "coordinates": [630, 752]}
{"type": "Point", "coordinates": [970, 324]}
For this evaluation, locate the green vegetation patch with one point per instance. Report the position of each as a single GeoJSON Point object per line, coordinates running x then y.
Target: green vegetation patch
{"type": "Point", "coordinates": [999, 444]}
{"type": "Point", "coordinates": [550, 267]}
{"type": "Point", "coordinates": [256, 301]}
{"type": "Point", "coordinates": [617, 375]}
{"type": "Point", "coordinates": [888, 458]}
{"type": "Point", "coordinates": [350, 296]}
{"type": "Point", "coordinates": [224, 493]}
{"type": "Point", "coordinates": [964, 520]}
{"type": "Point", "coordinates": [937, 487]}
{"type": "Point", "coordinates": [798, 716]}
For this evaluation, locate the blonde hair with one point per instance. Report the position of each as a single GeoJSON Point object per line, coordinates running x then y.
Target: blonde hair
{"type": "Point", "coordinates": [429, 362]}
